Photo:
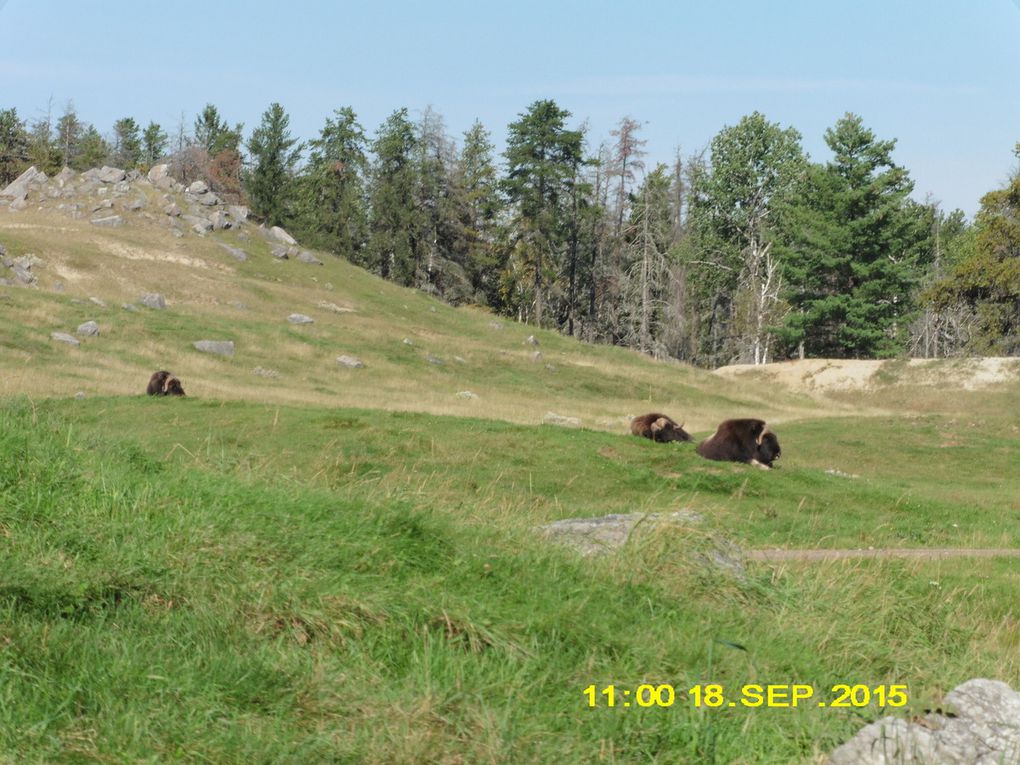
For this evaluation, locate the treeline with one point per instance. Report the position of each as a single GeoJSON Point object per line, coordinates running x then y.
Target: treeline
{"type": "Point", "coordinates": [747, 251]}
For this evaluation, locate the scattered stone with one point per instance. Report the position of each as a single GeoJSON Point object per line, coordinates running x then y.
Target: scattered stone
{"type": "Point", "coordinates": [153, 300]}
{"type": "Point", "coordinates": [110, 221]}
{"type": "Point", "coordinates": [300, 318]}
{"type": "Point", "coordinates": [532, 340]}
{"type": "Point", "coordinates": [467, 394]}
{"type": "Point", "coordinates": [111, 175]}
{"type": "Point", "coordinates": [88, 329]}
{"type": "Point", "coordinates": [272, 373]}
{"type": "Point", "coordinates": [550, 367]}
{"type": "Point", "coordinates": [279, 251]}
{"type": "Point", "coordinates": [306, 257]}
{"type": "Point", "coordinates": [172, 210]}
{"type": "Point", "coordinates": [64, 177]}
{"type": "Point", "coordinates": [198, 225]}
{"type": "Point", "coordinates": [407, 341]}
{"type": "Point", "coordinates": [18, 188]}
{"type": "Point", "coordinates": [159, 176]}
{"type": "Point", "coordinates": [536, 357]}
{"type": "Point", "coordinates": [238, 212]}
{"type": "Point", "coordinates": [236, 252]}
{"type": "Point", "coordinates": [217, 347]}
{"type": "Point", "coordinates": [350, 362]}
{"type": "Point", "coordinates": [219, 221]}
{"type": "Point", "coordinates": [982, 729]}
{"type": "Point", "coordinates": [106, 204]}
{"type": "Point", "coordinates": [80, 394]}
{"type": "Point", "coordinates": [496, 325]}
{"type": "Point", "coordinates": [434, 360]}
{"type": "Point", "coordinates": [198, 187]}
{"type": "Point", "coordinates": [840, 473]}
{"type": "Point", "coordinates": [135, 204]}
{"type": "Point", "coordinates": [121, 188]}
{"type": "Point", "coordinates": [134, 175]}
{"type": "Point", "coordinates": [551, 418]}
{"type": "Point", "coordinates": [326, 306]}
{"type": "Point", "coordinates": [590, 536]}
{"type": "Point", "coordinates": [460, 360]}
{"type": "Point", "coordinates": [281, 236]}
{"type": "Point", "coordinates": [97, 301]}
{"type": "Point", "coordinates": [129, 307]}
{"type": "Point", "coordinates": [63, 337]}
{"type": "Point", "coordinates": [209, 199]}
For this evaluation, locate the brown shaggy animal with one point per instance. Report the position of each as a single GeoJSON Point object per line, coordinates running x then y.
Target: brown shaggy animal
{"type": "Point", "coordinates": [163, 383]}
{"type": "Point", "coordinates": [659, 427]}
{"type": "Point", "coordinates": [748, 441]}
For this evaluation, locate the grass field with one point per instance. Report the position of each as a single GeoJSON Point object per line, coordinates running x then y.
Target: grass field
{"type": "Point", "coordinates": [343, 565]}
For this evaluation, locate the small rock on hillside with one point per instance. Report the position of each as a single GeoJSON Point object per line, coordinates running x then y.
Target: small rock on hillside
{"type": "Point", "coordinates": [350, 362]}
{"type": "Point", "coordinates": [88, 329]}
{"type": "Point", "coordinates": [300, 318]}
{"type": "Point", "coordinates": [551, 418]}
{"type": "Point", "coordinates": [217, 347]}
{"type": "Point", "coordinates": [63, 337]}
{"type": "Point", "coordinates": [153, 300]}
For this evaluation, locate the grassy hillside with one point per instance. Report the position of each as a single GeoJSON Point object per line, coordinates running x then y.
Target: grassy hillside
{"type": "Point", "coordinates": [333, 565]}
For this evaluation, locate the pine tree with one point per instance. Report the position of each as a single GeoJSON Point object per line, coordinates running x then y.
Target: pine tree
{"type": "Point", "coordinates": [853, 265]}
{"type": "Point", "coordinates": [480, 209]}
{"type": "Point", "coordinates": [333, 205]}
{"type": "Point", "coordinates": [69, 134]}
{"type": "Point", "coordinates": [154, 144]}
{"type": "Point", "coordinates": [127, 143]}
{"type": "Point", "coordinates": [93, 150]}
{"type": "Point", "coordinates": [393, 222]}
{"type": "Point", "coordinates": [213, 133]}
{"type": "Point", "coordinates": [13, 146]}
{"type": "Point", "coordinates": [274, 155]}
{"type": "Point", "coordinates": [542, 157]}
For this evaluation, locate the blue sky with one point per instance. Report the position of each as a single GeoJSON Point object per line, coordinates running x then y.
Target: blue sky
{"type": "Point", "coordinates": [941, 78]}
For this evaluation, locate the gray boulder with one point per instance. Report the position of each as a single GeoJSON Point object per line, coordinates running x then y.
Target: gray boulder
{"type": "Point", "coordinates": [238, 212]}
{"type": "Point", "coordinates": [219, 221]}
{"type": "Point", "coordinates": [110, 221]}
{"type": "Point", "coordinates": [172, 210]}
{"type": "Point", "coordinates": [551, 418]}
{"type": "Point", "coordinates": [984, 729]}
{"type": "Point", "coordinates": [64, 177]}
{"type": "Point", "coordinates": [63, 337]}
{"type": "Point", "coordinates": [280, 251]}
{"type": "Point", "coordinates": [235, 252]}
{"type": "Point", "coordinates": [277, 233]}
{"type": "Point", "coordinates": [88, 329]}
{"type": "Point", "coordinates": [350, 362]}
{"type": "Point", "coordinates": [111, 175]}
{"type": "Point", "coordinates": [217, 347]}
{"type": "Point", "coordinates": [467, 394]}
{"type": "Point", "coordinates": [209, 199]}
{"type": "Point", "coordinates": [198, 225]}
{"type": "Point", "coordinates": [590, 536]}
{"type": "Point", "coordinates": [300, 318]}
{"type": "Point", "coordinates": [18, 188]}
{"type": "Point", "coordinates": [153, 300]}
{"type": "Point", "coordinates": [198, 187]}
{"type": "Point", "coordinates": [135, 204]}
{"type": "Point", "coordinates": [305, 256]}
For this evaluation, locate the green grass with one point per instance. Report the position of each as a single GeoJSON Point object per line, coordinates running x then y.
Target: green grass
{"type": "Point", "coordinates": [199, 581]}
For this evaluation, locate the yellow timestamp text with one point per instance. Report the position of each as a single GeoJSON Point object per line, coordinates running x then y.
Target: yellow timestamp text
{"type": "Point", "coordinates": [750, 695]}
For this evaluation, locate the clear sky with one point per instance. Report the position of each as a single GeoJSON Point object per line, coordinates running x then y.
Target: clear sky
{"type": "Point", "coordinates": [943, 78]}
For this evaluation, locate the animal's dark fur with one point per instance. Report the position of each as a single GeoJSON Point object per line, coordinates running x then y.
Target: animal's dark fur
{"type": "Point", "coordinates": [748, 441]}
{"type": "Point", "coordinates": [163, 383]}
{"type": "Point", "coordinates": [659, 427]}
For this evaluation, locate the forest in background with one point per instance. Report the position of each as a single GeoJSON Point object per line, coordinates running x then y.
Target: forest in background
{"type": "Point", "coordinates": [748, 251]}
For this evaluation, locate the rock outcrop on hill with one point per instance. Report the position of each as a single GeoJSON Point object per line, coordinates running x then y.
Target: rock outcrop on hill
{"type": "Point", "coordinates": [113, 197]}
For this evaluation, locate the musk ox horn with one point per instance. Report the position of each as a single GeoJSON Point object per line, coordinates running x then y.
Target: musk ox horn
{"type": "Point", "coordinates": [659, 424]}
{"type": "Point", "coordinates": [761, 436]}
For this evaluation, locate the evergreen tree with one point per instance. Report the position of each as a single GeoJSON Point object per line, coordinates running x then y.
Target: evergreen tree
{"type": "Point", "coordinates": [853, 264]}
{"type": "Point", "coordinates": [440, 270]}
{"type": "Point", "coordinates": [987, 279]}
{"type": "Point", "coordinates": [69, 134]}
{"type": "Point", "coordinates": [154, 144]}
{"type": "Point", "coordinates": [333, 206]}
{"type": "Point", "coordinates": [13, 146]}
{"type": "Point", "coordinates": [127, 143]}
{"type": "Point", "coordinates": [213, 133]}
{"type": "Point", "coordinates": [93, 150]}
{"type": "Point", "coordinates": [274, 155]}
{"type": "Point", "coordinates": [394, 223]}
{"type": "Point", "coordinates": [480, 210]}
{"type": "Point", "coordinates": [542, 158]}
{"type": "Point", "coordinates": [43, 149]}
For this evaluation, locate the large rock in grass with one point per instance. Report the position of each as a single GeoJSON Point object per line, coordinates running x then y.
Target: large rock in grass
{"type": "Point", "coordinates": [300, 318]}
{"type": "Point", "coordinates": [304, 256]}
{"type": "Point", "coordinates": [109, 221]}
{"type": "Point", "coordinates": [153, 300]}
{"type": "Point", "coordinates": [18, 188]}
{"type": "Point", "coordinates": [216, 347]}
{"type": "Point", "coordinates": [63, 337]}
{"type": "Point", "coordinates": [111, 174]}
{"type": "Point", "coordinates": [983, 728]}
{"type": "Point", "coordinates": [280, 235]}
{"type": "Point", "coordinates": [88, 329]}
{"type": "Point", "coordinates": [350, 362]}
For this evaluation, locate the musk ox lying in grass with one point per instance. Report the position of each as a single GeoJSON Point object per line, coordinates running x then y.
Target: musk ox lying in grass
{"type": "Point", "coordinates": [748, 441]}
{"type": "Point", "coordinates": [163, 383]}
{"type": "Point", "coordinates": [659, 427]}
